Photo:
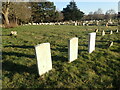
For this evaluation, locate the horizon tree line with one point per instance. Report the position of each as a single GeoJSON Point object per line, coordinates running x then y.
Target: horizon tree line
{"type": "Point", "coordinates": [17, 13]}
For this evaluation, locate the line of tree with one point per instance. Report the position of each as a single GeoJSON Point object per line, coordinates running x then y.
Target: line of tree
{"type": "Point", "coordinates": [24, 12]}
{"type": "Point", "coordinates": [45, 12]}
{"type": "Point", "coordinates": [71, 12]}
{"type": "Point", "coordinates": [16, 13]}
{"type": "Point", "coordinates": [98, 15]}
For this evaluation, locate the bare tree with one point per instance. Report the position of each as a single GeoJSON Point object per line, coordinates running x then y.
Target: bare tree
{"type": "Point", "coordinates": [5, 12]}
{"type": "Point", "coordinates": [20, 11]}
{"type": "Point", "coordinates": [15, 11]}
{"type": "Point", "coordinates": [110, 14]}
{"type": "Point", "coordinates": [98, 15]}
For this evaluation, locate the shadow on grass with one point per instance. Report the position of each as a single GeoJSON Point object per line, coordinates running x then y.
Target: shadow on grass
{"type": "Point", "coordinates": [116, 50]}
{"type": "Point", "coordinates": [60, 48]}
{"type": "Point", "coordinates": [86, 45]}
{"type": "Point", "coordinates": [59, 58]}
{"type": "Point", "coordinates": [63, 49]}
{"type": "Point", "coordinates": [82, 50]}
{"type": "Point", "coordinates": [100, 41]}
{"type": "Point", "coordinates": [18, 54]}
{"type": "Point", "coordinates": [17, 68]}
{"type": "Point", "coordinates": [116, 81]}
{"type": "Point", "coordinates": [98, 34]}
{"type": "Point", "coordinates": [117, 41]}
{"type": "Point", "coordinates": [17, 46]}
{"type": "Point", "coordinates": [5, 35]}
{"type": "Point", "coordinates": [102, 46]}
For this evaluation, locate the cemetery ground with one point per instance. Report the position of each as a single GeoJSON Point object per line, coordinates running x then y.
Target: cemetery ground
{"type": "Point", "coordinates": [100, 69]}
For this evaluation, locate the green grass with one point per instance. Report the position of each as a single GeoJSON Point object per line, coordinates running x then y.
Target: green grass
{"type": "Point", "coordinates": [100, 69]}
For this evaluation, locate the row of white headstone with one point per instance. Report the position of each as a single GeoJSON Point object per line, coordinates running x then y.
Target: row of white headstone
{"type": "Point", "coordinates": [111, 32]}
{"type": "Point", "coordinates": [56, 23]}
{"type": "Point", "coordinates": [103, 32]}
{"type": "Point", "coordinates": [43, 52]}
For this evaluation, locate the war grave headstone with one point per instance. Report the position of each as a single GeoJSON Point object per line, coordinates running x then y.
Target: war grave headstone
{"type": "Point", "coordinates": [44, 61]}
{"type": "Point", "coordinates": [72, 49]}
{"type": "Point", "coordinates": [91, 43]}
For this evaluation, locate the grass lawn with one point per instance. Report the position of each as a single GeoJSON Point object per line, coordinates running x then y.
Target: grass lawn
{"type": "Point", "coordinates": [100, 69]}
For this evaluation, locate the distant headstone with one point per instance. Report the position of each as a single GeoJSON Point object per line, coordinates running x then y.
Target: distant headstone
{"type": "Point", "coordinates": [111, 44]}
{"type": "Point", "coordinates": [34, 23]}
{"type": "Point", "coordinates": [73, 49]}
{"type": "Point", "coordinates": [29, 24]}
{"type": "Point", "coordinates": [75, 23]}
{"type": "Point", "coordinates": [103, 33]}
{"type": "Point", "coordinates": [106, 24]}
{"type": "Point", "coordinates": [117, 31]}
{"type": "Point", "coordinates": [111, 32]}
{"type": "Point", "coordinates": [14, 33]}
{"type": "Point", "coordinates": [83, 24]}
{"type": "Point", "coordinates": [44, 60]}
{"type": "Point", "coordinates": [96, 30]}
{"type": "Point", "coordinates": [91, 44]}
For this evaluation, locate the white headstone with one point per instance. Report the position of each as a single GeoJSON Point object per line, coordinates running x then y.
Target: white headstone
{"type": "Point", "coordinates": [34, 24]}
{"type": "Point", "coordinates": [96, 30]}
{"type": "Point", "coordinates": [111, 32]}
{"type": "Point", "coordinates": [103, 33]}
{"type": "Point", "coordinates": [75, 23]}
{"type": "Point", "coordinates": [117, 31]}
{"type": "Point", "coordinates": [111, 44]}
{"type": "Point", "coordinates": [73, 49]}
{"type": "Point", "coordinates": [44, 60]}
{"type": "Point", "coordinates": [91, 45]}
{"type": "Point", "coordinates": [14, 33]}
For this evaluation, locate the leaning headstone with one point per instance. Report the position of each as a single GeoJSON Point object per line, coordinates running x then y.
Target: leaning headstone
{"type": "Point", "coordinates": [44, 60]}
{"type": "Point", "coordinates": [91, 44]}
{"type": "Point", "coordinates": [72, 49]}
{"type": "Point", "coordinates": [96, 30]}
{"type": "Point", "coordinates": [111, 44]}
{"type": "Point", "coordinates": [111, 32]}
{"type": "Point", "coordinates": [103, 33]}
{"type": "Point", "coordinates": [117, 31]}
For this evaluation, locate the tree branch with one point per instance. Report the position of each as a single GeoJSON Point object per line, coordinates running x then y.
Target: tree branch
{"type": "Point", "coordinates": [3, 13]}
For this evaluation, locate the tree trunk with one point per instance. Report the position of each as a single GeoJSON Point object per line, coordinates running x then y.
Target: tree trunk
{"type": "Point", "coordinates": [16, 21]}
{"type": "Point", "coordinates": [6, 19]}
{"type": "Point", "coordinates": [6, 13]}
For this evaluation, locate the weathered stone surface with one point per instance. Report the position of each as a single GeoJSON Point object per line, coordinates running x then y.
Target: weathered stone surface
{"type": "Point", "coordinates": [73, 49]}
{"type": "Point", "coordinates": [44, 60]}
{"type": "Point", "coordinates": [91, 44]}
